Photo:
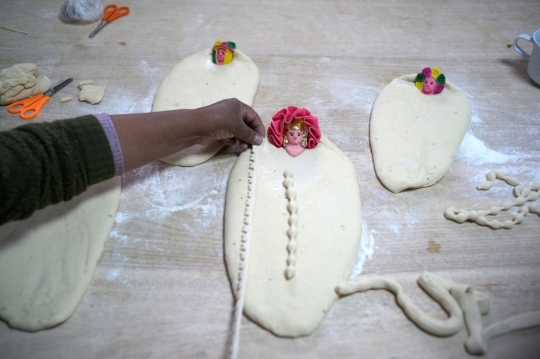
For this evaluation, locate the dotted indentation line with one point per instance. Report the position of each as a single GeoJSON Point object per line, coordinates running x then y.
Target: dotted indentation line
{"type": "Point", "coordinates": [245, 242]}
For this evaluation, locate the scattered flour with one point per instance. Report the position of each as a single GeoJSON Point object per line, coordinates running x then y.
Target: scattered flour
{"type": "Point", "coordinates": [474, 150]}
{"type": "Point", "coordinates": [365, 252]}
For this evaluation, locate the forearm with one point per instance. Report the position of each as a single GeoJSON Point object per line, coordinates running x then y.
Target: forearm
{"type": "Point", "coordinates": [45, 163]}
{"type": "Point", "coordinates": [146, 137]}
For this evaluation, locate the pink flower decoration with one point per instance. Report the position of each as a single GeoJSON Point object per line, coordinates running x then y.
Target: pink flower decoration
{"type": "Point", "coordinates": [427, 72]}
{"type": "Point", "coordinates": [286, 116]}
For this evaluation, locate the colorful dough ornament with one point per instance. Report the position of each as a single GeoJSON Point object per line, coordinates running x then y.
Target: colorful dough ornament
{"type": "Point", "coordinates": [430, 81]}
{"type": "Point", "coordinates": [223, 52]}
{"type": "Point", "coordinates": [294, 129]}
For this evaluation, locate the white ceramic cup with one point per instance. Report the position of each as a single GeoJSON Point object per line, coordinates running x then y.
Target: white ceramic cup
{"type": "Point", "coordinates": [534, 58]}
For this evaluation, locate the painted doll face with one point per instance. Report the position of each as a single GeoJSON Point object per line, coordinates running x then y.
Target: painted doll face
{"type": "Point", "coordinates": [429, 86]}
{"type": "Point", "coordinates": [220, 55]}
{"type": "Point", "coordinates": [294, 136]}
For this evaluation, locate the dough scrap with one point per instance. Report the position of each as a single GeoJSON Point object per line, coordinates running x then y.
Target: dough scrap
{"type": "Point", "coordinates": [196, 82]}
{"type": "Point", "coordinates": [47, 260]}
{"type": "Point", "coordinates": [523, 196]}
{"type": "Point", "coordinates": [21, 81]}
{"type": "Point", "coordinates": [414, 137]}
{"type": "Point", "coordinates": [92, 94]}
{"type": "Point", "coordinates": [65, 99]}
{"type": "Point", "coordinates": [464, 305]}
{"type": "Point", "coordinates": [81, 84]}
{"type": "Point", "coordinates": [329, 231]}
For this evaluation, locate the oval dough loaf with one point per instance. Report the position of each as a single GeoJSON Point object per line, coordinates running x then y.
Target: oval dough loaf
{"type": "Point", "coordinates": [196, 82]}
{"type": "Point", "coordinates": [329, 227]}
{"type": "Point", "coordinates": [48, 260]}
{"type": "Point", "coordinates": [414, 137]}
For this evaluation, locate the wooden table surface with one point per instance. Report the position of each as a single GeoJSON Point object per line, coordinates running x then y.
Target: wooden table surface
{"type": "Point", "coordinates": [161, 288]}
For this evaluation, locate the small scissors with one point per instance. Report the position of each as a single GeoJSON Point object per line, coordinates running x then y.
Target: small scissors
{"type": "Point", "coordinates": [36, 102]}
{"type": "Point", "coordinates": [110, 13]}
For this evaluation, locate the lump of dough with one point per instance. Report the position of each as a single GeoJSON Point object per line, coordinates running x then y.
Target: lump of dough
{"type": "Point", "coordinates": [414, 137]}
{"type": "Point", "coordinates": [92, 94]}
{"type": "Point", "coordinates": [84, 83]}
{"type": "Point", "coordinates": [21, 81]}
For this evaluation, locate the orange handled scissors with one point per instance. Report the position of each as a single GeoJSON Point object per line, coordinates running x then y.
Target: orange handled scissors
{"type": "Point", "coordinates": [110, 13]}
{"type": "Point", "coordinates": [31, 106]}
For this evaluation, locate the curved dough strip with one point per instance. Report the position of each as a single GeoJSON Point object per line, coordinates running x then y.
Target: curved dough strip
{"type": "Point", "coordinates": [455, 299]}
{"type": "Point", "coordinates": [430, 283]}
{"type": "Point", "coordinates": [523, 196]}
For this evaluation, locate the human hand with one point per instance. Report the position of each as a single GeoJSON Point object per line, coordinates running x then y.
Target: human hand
{"type": "Point", "coordinates": [228, 121]}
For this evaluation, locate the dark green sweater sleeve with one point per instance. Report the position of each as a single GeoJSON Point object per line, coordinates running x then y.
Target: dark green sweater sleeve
{"type": "Point", "coordinates": [46, 163]}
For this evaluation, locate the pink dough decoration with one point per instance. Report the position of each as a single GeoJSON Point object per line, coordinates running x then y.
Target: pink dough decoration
{"type": "Point", "coordinates": [295, 129]}
{"type": "Point", "coordinates": [430, 81]}
{"type": "Point", "coordinates": [223, 52]}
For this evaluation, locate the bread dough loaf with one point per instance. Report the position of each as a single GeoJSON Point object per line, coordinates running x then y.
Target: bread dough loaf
{"type": "Point", "coordinates": [328, 221]}
{"type": "Point", "coordinates": [196, 82]}
{"type": "Point", "coordinates": [414, 137]}
{"type": "Point", "coordinates": [47, 260]}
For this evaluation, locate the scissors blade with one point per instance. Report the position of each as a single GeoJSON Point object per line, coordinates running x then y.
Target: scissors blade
{"type": "Point", "coordinates": [58, 87]}
{"type": "Point", "coordinates": [100, 26]}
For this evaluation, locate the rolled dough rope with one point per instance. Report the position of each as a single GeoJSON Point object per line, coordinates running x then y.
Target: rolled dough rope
{"type": "Point", "coordinates": [492, 175]}
{"type": "Point", "coordinates": [429, 282]}
{"type": "Point", "coordinates": [244, 253]}
{"type": "Point", "coordinates": [65, 99]}
{"type": "Point", "coordinates": [471, 303]}
{"type": "Point", "coordinates": [522, 194]}
{"type": "Point", "coordinates": [292, 207]}
{"type": "Point", "coordinates": [534, 209]}
{"type": "Point", "coordinates": [517, 322]}
{"type": "Point", "coordinates": [465, 297]}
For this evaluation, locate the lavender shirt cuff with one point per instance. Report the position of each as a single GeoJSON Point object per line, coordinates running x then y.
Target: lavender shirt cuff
{"type": "Point", "coordinates": [116, 150]}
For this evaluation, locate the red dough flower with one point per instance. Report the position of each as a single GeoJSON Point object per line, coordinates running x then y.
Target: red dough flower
{"type": "Point", "coordinates": [286, 116]}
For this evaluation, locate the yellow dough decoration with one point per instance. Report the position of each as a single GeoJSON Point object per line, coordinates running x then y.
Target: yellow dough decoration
{"type": "Point", "coordinates": [223, 52]}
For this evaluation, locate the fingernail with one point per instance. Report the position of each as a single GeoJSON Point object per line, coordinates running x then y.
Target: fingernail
{"type": "Point", "coordinates": [258, 140]}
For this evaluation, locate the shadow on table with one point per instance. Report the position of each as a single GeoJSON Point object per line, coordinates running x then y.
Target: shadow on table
{"type": "Point", "coordinates": [519, 66]}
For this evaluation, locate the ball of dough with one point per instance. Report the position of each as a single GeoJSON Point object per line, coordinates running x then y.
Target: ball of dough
{"type": "Point", "coordinates": [21, 81]}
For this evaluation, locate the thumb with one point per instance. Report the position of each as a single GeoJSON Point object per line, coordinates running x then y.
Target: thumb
{"type": "Point", "coordinates": [250, 128]}
{"type": "Point", "coordinates": [246, 134]}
